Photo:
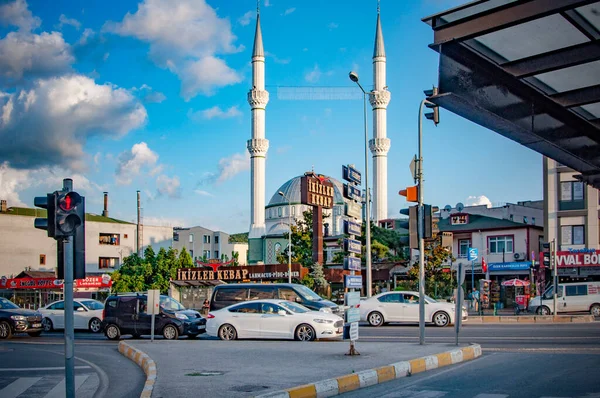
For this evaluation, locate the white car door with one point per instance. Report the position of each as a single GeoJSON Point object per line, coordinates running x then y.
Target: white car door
{"type": "Point", "coordinates": [80, 316]}
{"type": "Point", "coordinates": [410, 307]}
{"type": "Point", "coordinates": [246, 319]}
{"type": "Point", "coordinates": [390, 305]}
{"type": "Point", "coordinates": [57, 315]}
{"type": "Point", "coordinates": [272, 324]}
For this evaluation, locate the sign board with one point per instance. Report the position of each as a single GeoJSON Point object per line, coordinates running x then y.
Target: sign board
{"type": "Point", "coordinates": [352, 246]}
{"type": "Point", "coordinates": [354, 210]}
{"type": "Point", "coordinates": [354, 331]}
{"type": "Point", "coordinates": [352, 228]}
{"type": "Point", "coordinates": [578, 258]}
{"type": "Point", "coordinates": [350, 174]}
{"type": "Point", "coordinates": [473, 254]}
{"type": "Point", "coordinates": [352, 315]}
{"type": "Point", "coordinates": [316, 191]}
{"type": "Point", "coordinates": [153, 302]}
{"type": "Point", "coordinates": [351, 299]}
{"type": "Point", "coordinates": [353, 281]}
{"type": "Point", "coordinates": [353, 193]}
{"type": "Point", "coordinates": [352, 263]}
{"type": "Point", "coordinates": [413, 168]}
{"type": "Point", "coordinates": [510, 266]}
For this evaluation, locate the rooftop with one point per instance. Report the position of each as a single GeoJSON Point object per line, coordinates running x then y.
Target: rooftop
{"type": "Point", "coordinates": [29, 212]}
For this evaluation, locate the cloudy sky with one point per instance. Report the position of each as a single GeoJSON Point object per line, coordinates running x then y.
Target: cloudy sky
{"type": "Point", "coordinates": [151, 96]}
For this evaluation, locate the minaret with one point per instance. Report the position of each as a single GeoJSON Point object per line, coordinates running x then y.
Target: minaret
{"type": "Point", "coordinates": [258, 146]}
{"type": "Point", "coordinates": [380, 144]}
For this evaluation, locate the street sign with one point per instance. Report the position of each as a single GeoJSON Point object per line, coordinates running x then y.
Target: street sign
{"type": "Point", "coordinates": [352, 246]}
{"type": "Point", "coordinates": [351, 299]}
{"type": "Point", "coordinates": [352, 315]}
{"type": "Point", "coordinates": [350, 174]}
{"type": "Point", "coordinates": [473, 254]}
{"type": "Point", "coordinates": [352, 263]}
{"type": "Point", "coordinates": [353, 281]}
{"type": "Point", "coordinates": [351, 228]}
{"type": "Point", "coordinates": [413, 168]}
{"type": "Point", "coordinates": [351, 192]}
{"type": "Point", "coordinates": [354, 210]}
{"type": "Point", "coordinates": [354, 331]}
{"type": "Point", "coordinates": [152, 308]}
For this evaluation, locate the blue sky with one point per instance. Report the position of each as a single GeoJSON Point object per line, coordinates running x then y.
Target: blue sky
{"type": "Point", "coordinates": [151, 96]}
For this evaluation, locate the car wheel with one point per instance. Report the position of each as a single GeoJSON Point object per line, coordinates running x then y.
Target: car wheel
{"type": "Point", "coordinates": [95, 325]}
{"type": "Point", "coordinates": [305, 332]}
{"type": "Point", "coordinates": [47, 324]}
{"type": "Point", "coordinates": [227, 332]}
{"type": "Point", "coordinates": [5, 330]}
{"type": "Point", "coordinates": [113, 332]}
{"type": "Point", "coordinates": [441, 319]}
{"type": "Point", "coordinates": [170, 332]}
{"type": "Point", "coordinates": [595, 310]}
{"type": "Point", "coordinates": [35, 334]}
{"type": "Point", "coordinates": [543, 310]}
{"type": "Point", "coordinates": [375, 319]}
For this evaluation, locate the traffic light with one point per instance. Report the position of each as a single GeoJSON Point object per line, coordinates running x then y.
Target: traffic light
{"type": "Point", "coordinates": [47, 202]}
{"type": "Point", "coordinates": [68, 214]}
{"type": "Point", "coordinates": [428, 211]}
{"type": "Point", "coordinates": [435, 115]}
{"type": "Point", "coordinates": [78, 244]}
{"type": "Point", "coordinates": [411, 193]}
{"type": "Point", "coordinates": [547, 254]}
{"type": "Point", "coordinates": [412, 240]}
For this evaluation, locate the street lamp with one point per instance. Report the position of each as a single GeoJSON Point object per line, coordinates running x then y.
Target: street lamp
{"type": "Point", "coordinates": [289, 236]}
{"type": "Point", "coordinates": [354, 77]}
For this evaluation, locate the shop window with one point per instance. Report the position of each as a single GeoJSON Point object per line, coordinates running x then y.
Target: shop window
{"type": "Point", "coordinates": [108, 262]}
{"type": "Point", "coordinates": [572, 235]}
{"type": "Point", "coordinates": [500, 244]}
{"type": "Point", "coordinates": [463, 247]}
{"type": "Point", "coordinates": [571, 196]}
{"type": "Point", "coordinates": [42, 259]}
{"type": "Point", "coordinates": [110, 239]}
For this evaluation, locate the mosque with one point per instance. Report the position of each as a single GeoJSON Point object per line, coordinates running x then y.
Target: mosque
{"type": "Point", "coordinates": [269, 222]}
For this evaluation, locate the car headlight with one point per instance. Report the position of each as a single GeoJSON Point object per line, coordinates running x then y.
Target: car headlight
{"type": "Point", "coordinates": [18, 317]}
{"type": "Point", "coordinates": [182, 317]}
{"type": "Point", "coordinates": [325, 309]}
{"type": "Point", "coordinates": [320, 320]}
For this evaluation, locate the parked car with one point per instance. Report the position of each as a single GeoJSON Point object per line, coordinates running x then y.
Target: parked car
{"type": "Point", "coordinates": [14, 319]}
{"type": "Point", "coordinates": [273, 319]}
{"type": "Point", "coordinates": [403, 306]}
{"type": "Point", "coordinates": [571, 297]}
{"type": "Point", "coordinates": [87, 314]}
{"type": "Point", "coordinates": [126, 314]}
{"type": "Point", "coordinates": [226, 295]}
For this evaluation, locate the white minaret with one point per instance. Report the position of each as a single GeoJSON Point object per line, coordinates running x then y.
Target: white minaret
{"type": "Point", "coordinates": [380, 144]}
{"type": "Point", "coordinates": [258, 146]}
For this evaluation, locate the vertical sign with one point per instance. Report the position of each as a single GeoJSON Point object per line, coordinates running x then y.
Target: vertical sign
{"type": "Point", "coordinates": [152, 308]}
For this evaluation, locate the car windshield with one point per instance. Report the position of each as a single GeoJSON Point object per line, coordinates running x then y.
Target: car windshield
{"type": "Point", "coordinates": [430, 300]}
{"type": "Point", "coordinates": [7, 304]}
{"type": "Point", "coordinates": [294, 307]}
{"type": "Point", "coordinates": [168, 303]}
{"type": "Point", "coordinates": [93, 305]}
{"type": "Point", "coordinates": [308, 294]}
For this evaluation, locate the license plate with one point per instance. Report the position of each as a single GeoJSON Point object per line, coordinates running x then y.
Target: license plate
{"type": "Point", "coordinates": [36, 325]}
{"type": "Point", "coordinates": [201, 326]}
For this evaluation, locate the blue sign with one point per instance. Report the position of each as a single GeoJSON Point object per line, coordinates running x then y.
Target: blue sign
{"type": "Point", "coordinates": [353, 281]}
{"type": "Point", "coordinates": [352, 263]}
{"type": "Point", "coordinates": [352, 246]}
{"type": "Point", "coordinates": [350, 174]}
{"type": "Point", "coordinates": [352, 228]}
{"type": "Point", "coordinates": [473, 254]}
{"type": "Point", "coordinates": [512, 266]}
{"type": "Point", "coordinates": [353, 193]}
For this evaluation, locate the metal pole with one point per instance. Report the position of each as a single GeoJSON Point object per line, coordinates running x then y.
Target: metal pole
{"type": "Point", "coordinates": [420, 229]}
{"type": "Point", "coordinates": [368, 200]}
{"type": "Point", "coordinates": [290, 242]}
{"type": "Point", "coordinates": [553, 259]}
{"type": "Point", "coordinates": [68, 292]}
{"type": "Point", "coordinates": [459, 298]}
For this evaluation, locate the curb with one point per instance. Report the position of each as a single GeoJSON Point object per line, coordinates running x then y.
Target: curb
{"type": "Point", "coordinates": [366, 378]}
{"type": "Point", "coordinates": [143, 361]}
{"type": "Point", "coordinates": [531, 319]}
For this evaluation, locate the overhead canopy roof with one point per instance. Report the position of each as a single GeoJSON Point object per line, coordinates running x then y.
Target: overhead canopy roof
{"type": "Point", "coordinates": [528, 70]}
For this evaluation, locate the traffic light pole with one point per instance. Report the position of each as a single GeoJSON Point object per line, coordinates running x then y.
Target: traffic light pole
{"type": "Point", "coordinates": [68, 291]}
{"type": "Point", "coordinates": [555, 279]}
{"type": "Point", "coordinates": [420, 229]}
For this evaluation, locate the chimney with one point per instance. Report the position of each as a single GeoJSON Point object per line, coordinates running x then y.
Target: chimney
{"type": "Point", "coordinates": [105, 211]}
{"type": "Point", "coordinates": [3, 206]}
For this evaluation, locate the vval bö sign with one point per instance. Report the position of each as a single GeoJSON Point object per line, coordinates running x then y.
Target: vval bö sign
{"type": "Point", "coordinates": [569, 259]}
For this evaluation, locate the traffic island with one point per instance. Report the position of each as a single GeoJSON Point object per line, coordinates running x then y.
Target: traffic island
{"type": "Point", "coordinates": [144, 362]}
{"type": "Point", "coordinates": [540, 319]}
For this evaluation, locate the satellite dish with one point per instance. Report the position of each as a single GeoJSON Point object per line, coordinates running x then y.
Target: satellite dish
{"type": "Point", "coordinates": [448, 208]}
{"type": "Point", "coordinates": [460, 207]}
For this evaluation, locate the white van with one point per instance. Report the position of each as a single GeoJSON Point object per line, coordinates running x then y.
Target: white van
{"type": "Point", "coordinates": [571, 297]}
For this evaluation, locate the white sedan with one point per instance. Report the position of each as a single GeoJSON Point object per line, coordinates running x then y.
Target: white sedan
{"type": "Point", "coordinates": [87, 314]}
{"type": "Point", "coordinates": [403, 306]}
{"type": "Point", "coordinates": [273, 319]}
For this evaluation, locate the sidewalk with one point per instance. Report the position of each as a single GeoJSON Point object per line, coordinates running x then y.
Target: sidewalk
{"type": "Point", "coordinates": [215, 368]}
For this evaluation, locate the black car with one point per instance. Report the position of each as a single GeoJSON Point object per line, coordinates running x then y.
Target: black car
{"type": "Point", "coordinates": [126, 314]}
{"type": "Point", "coordinates": [14, 319]}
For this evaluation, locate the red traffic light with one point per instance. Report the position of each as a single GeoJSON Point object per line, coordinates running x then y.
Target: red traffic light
{"type": "Point", "coordinates": [69, 201]}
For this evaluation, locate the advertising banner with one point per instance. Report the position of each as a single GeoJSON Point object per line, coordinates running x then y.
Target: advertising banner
{"type": "Point", "coordinates": [103, 281]}
{"type": "Point", "coordinates": [578, 258]}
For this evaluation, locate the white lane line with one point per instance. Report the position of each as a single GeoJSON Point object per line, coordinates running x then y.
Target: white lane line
{"type": "Point", "coordinates": [481, 338]}
{"type": "Point", "coordinates": [39, 369]}
{"type": "Point", "coordinates": [60, 389]}
{"type": "Point", "coordinates": [484, 395]}
{"type": "Point", "coordinates": [18, 387]}
{"type": "Point", "coordinates": [415, 394]}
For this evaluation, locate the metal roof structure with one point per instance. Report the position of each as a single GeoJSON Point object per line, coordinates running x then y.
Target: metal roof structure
{"type": "Point", "coordinates": [528, 70]}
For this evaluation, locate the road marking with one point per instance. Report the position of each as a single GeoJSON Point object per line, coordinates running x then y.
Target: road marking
{"type": "Point", "coordinates": [484, 395]}
{"type": "Point", "coordinates": [18, 387]}
{"type": "Point", "coordinates": [59, 390]}
{"type": "Point", "coordinates": [570, 338]}
{"type": "Point", "coordinates": [39, 369]}
{"type": "Point", "coordinates": [550, 350]}
{"type": "Point", "coordinates": [415, 394]}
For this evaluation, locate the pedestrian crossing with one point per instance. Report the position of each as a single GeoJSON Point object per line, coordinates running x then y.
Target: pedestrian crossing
{"type": "Point", "coordinates": [44, 387]}
{"type": "Point", "coordinates": [409, 393]}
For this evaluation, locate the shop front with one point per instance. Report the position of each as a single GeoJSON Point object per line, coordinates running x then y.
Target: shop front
{"type": "Point", "coordinates": [503, 293]}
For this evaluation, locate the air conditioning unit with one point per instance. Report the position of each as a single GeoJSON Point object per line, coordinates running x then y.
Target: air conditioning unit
{"type": "Point", "coordinates": [520, 256]}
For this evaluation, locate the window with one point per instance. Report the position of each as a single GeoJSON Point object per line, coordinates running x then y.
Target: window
{"type": "Point", "coordinates": [216, 238]}
{"type": "Point", "coordinates": [260, 293]}
{"type": "Point", "coordinates": [175, 236]}
{"type": "Point", "coordinates": [268, 308]}
{"type": "Point", "coordinates": [572, 235]}
{"type": "Point", "coordinates": [279, 210]}
{"type": "Point", "coordinates": [110, 239]}
{"type": "Point", "coordinates": [524, 219]}
{"type": "Point", "coordinates": [216, 254]}
{"type": "Point", "coordinates": [191, 238]}
{"type": "Point", "coordinates": [511, 217]}
{"type": "Point", "coordinates": [294, 211]}
{"type": "Point", "coordinates": [500, 244]}
{"type": "Point", "coordinates": [532, 220]}
{"type": "Point", "coordinates": [248, 308]}
{"type": "Point", "coordinates": [234, 294]}
{"type": "Point", "coordinates": [463, 247]}
{"type": "Point", "coordinates": [580, 290]}
{"type": "Point", "coordinates": [391, 298]}
{"type": "Point", "coordinates": [125, 236]}
{"type": "Point", "coordinates": [411, 299]}
{"type": "Point", "coordinates": [60, 306]}
{"type": "Point", "coordinates": [108, 262]}
{"type": "Point", "coordinates": [206, 238]}
{"type": "Point", "coordinates": [42, 259]}
{"type": "Point", "coordinates": [571, 196]}
{"type": "Point", "coordinates": [206, 253]}
{"type": "Point", "coordinates": [288, 294]}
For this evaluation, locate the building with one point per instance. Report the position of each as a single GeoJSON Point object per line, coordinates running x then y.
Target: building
{"type": "Point", "coordinates": [204, 244]}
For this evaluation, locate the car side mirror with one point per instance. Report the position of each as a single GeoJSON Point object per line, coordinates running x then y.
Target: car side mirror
{"type": "Point", "coordinates": [281, 312]}
{"type": "Point", "coordinates": [80, 309]}
{"type": "Point", "coordinates": [298, 300]}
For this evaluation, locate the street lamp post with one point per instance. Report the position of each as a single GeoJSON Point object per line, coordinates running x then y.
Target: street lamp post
{"type": "Point", "coordinates": [289, 237]}
{"type": "Point", "coordinates": [354, 77]}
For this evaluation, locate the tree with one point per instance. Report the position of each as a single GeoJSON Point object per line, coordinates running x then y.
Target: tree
{"type": "Point", "coordinates": [437, 282]}
{"type": "Point", "coordinates": [318, 276]}
{"type": "Point", "coordinates": [301, 242]}
{"type": "Point", "coordinates": [185, 260]}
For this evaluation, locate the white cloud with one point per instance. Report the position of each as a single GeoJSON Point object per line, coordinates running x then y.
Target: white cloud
{"type": "Point", "coordinates": [68, 21]}
{"type": "Point", "coordinates": [59, 115]}
{"type": "Point", "coordinates": [332, 25]}
{"type": "Point", "coordinates": [185, 36]}
{"type": "Point", "coordinates": [283, 149]}
{"type": "Point", "coordinates": [131, 162]}
{"type": "Point", "coordinates": [29, 55]}
{"type": "Point", "coordinates": [478, 200]}
{"type": "Point", "coordinates": [245, 19]}
{"type": "Point", "coordinates": [203, 193]}
{"type": "Point", "coordinates": [314, 75]}
{"type": "Point", "coordinates": [228, 168]}
{"type": "Point", "coordinates": [16, 13]}
{"type": "Point", "coordinates": [11, 182]}
{"type": "Point", "coordinates": [216, 112]}
{"type": "Point", "coordinates": [277, 60]}
{"type": "Point", "coordinates": [164, 221]}
{"type": "Point", "coordinates": [168, 186]}
{"type": "Point", "coordinates": [150, 96]}
{"type": "Point", "coordinates": [267, 3]}
{"type": "Point", "coordinates": [86, 36]}
{"type": "Point", "coordinates": [289, 11]}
